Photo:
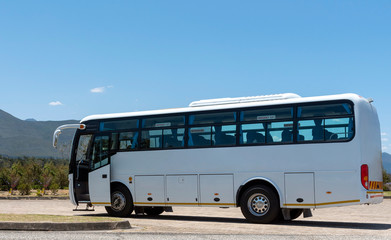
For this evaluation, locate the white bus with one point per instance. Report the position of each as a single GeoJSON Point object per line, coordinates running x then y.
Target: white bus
{"type": "Point", "coordinates": [274, 156]}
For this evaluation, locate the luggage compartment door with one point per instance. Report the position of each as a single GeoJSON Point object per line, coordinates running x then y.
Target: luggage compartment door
{"type": "Point", "coordinates": [299, 190]}
{"type": "Point", "coordinates": [217, 190]}
{"type": "Point", "coordinates": [182, 190]}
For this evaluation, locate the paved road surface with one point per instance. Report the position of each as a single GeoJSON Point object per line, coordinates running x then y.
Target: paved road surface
{"type": "Point", "coordinates": [364, 222]}
{"type": "Point", "coordinates": [149, 236]}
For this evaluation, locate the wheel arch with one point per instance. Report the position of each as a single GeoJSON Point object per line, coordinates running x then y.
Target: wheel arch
{"type": "Point", "coordinates": [116, 183]}
{"type": "Point", "coordinates": [258, 181]}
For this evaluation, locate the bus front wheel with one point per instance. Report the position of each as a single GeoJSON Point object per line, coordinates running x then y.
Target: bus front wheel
{"type": "Point", "coordinates": [259, 204]}
{"type": "Point", "coordinates": [121, 202]}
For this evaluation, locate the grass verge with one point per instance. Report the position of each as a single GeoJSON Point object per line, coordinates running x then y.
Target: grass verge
{"type": "Point", "coordinates": [54, 218]}
{"type": "Point", "coordinates": [387, 193]}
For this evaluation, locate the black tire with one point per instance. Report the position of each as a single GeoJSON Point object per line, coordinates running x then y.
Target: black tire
{"type": "Point", "coordinates": [259, 204]}
{"type": "Point", "coordinates": [153, 211]}
{"type": "Point", "coordinates": [121, 202]}
{"type": "Point", "coordinates": [295, 213]}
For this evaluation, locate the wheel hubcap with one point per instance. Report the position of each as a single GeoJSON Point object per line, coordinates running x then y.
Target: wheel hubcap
{"type": "Point", "coordinates": [258, 204]}
{"type": "Point", "coordinates": [118, 201]}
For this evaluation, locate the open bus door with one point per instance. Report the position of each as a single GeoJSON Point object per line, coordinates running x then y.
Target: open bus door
{"type": "Point", "coordinates": [99, 171]}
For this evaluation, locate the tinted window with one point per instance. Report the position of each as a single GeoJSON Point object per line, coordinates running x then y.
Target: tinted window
{"type": "Point", "coordinates": [128, 140]}
{"type": "Point", "coordinates": [280, 132]}
{"type": "Point", "coordinates": [100, 152]}
{"type": "Point", "coordinates": [266, 114]}
{"type": "Point", "coordinates": [324, 110]}
{"type": "Point", "coordinates": [224, 135]}
{"type": "Point", "coordinates": [219, 135]}
{"type": "Point", "coordinates": [118, 125]}
{"type": "Point", "coordinates": [210, 118]}
{"type": "Point", "coordinates": [173, 138]}
{"type": "Point", "coordinates": [200, 136]}
{"type": "Point", "coordinates": [151, 139]}
{"type": "Point", "coordinates": [332, 129]}
{"type": "Point", "coordinates": [162, 122]}
{"type": "Point", "coordinates": [253, 133]}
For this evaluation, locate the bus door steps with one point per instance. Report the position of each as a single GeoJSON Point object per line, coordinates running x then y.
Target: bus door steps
{"type": "Point", "coordinates": [89, 207]}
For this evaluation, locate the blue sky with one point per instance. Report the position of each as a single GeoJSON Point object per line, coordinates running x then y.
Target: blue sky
{"type": "Point", "coordinates": [69, 59]}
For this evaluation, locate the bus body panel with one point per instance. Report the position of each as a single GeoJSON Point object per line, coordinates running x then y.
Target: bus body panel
{"type": "Point", "coordinates": [370, 146]}
{"type": "Point", "coordinates": [99, 186]}
{"type": "Point", "coordinates": [328, 169]}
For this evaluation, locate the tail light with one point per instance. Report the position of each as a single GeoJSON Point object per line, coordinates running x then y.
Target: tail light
{"type": "Point", "coordinates": [364, 176]}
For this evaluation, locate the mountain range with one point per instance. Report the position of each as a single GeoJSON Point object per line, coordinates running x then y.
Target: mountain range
{"type": "Point", "coordinates": [387, 162]}
{"type": "Point", "coordinates": [32, 138]}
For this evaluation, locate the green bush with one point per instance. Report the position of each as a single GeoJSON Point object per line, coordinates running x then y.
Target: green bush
{"type": "Point", "coordinates": [24, 188]}
{"type": "Point", "coordinates": [26, 173]}
{"type": "Point", "coordinates": [54, 188]}
{"type": "Point", "coordinates": [39, 193]}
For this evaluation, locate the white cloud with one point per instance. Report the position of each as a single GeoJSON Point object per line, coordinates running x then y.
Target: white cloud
{"type": "Point", "coordinates": [100, 89]}
{"type": "Point", "coordinates": [55, 103]}
{"type": "Point", "coordinates": [384, 139]}
{"type": "Point", "coordinates": [384, 134]}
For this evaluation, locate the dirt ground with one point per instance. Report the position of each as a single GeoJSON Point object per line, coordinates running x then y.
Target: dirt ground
{"type": "Point", "coordinates": [360, 220]}
{"type": "Point", "coordinates": [35, 193]}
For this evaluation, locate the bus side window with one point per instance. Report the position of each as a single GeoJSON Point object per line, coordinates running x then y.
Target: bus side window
{"type": "Point", "coordinates": [173, 138]}
{"type": "Point", "coordinates": [200, 137]}
{"type": "Point", "coordinates": [332, 129]}
{"type": "Point", "coordinates": [128, 140]}
{"type": "Point", "coordinates": [224, 135]}
{"type": "Point", "coordinates": [279, 132]}
{"type": "Point", "coordinates": [338, 129]}
{"type": "Point", "coordinates": [312, 130]}
{"type": "Point", "coordinates": [100, 152]}
{"type": "Point", "coordinates": [151, 139]}
{"type": "Point", "coordinates": [253, 133]}
{"type": "Point", "coordinates": [305, 128]}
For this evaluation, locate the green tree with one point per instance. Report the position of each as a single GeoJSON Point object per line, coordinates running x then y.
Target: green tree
{"type": "Point", "coordinates": [5, 180]}
{"type": "Point", "coordinates": [16, 174]}
{"type": "Point", "coordinates": [386, 179]}
{"type": "Point", "coordinates": [24, 186]}
{"type": "Point", "coordinates": [61, 176]}
{"type": "Point", "coordinates": [48, 174]}
{"type": "Point", "coordinates": [34, 173]}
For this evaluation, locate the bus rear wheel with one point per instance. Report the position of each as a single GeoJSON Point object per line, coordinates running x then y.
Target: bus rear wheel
{"type": "Point", "coordinates": [121, 202]}
{"type": "Point", "coordinates": [295, 213]}
{"type": "Point", "coordinates": [259, 204]}
{"type": "Point", "coordinates": [153, 211]}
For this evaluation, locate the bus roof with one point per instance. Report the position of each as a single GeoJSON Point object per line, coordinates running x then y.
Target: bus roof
{"type": "Point", "coordinates": [203, 105]}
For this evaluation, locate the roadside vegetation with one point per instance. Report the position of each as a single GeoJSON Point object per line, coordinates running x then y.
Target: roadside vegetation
{"type": "Point", "coordinates": [26, 174]}
{"type": "Point", "coordinates": [386, 184]}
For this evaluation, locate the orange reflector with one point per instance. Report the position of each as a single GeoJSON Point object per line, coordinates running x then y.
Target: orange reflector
{"type": "Point", "coordinates": [216, 194]}
{"type": "Point", "coordinates": [82, 126]}
{"type": "Point", "coordinates": [149, 194]}
{"type": "Point", "coordinates": [328, 192]}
